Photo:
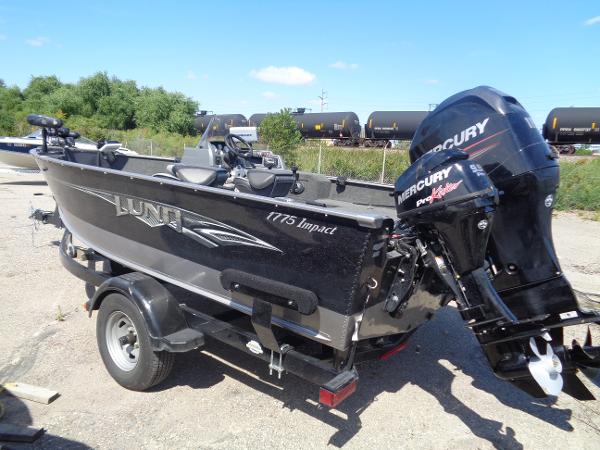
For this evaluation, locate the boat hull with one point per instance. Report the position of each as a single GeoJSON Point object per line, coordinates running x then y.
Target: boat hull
{"type": "Point", "coordinates": [17, 157]}
{"type": "Point", "coordinates": [188, 234]}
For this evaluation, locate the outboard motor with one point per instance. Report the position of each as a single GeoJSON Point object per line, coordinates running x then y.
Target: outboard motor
{"type": "Point", "coordinates": [482, 187]}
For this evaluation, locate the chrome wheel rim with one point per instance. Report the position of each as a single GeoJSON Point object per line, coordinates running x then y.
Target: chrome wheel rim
{"type": "Point", "coordinates": [122, 341]}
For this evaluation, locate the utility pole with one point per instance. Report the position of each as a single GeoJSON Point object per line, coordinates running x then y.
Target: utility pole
{"type": "Point", "coordinates": [323, 98]}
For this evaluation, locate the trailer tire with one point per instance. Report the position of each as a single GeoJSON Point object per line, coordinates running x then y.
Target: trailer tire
{"type": "Point", "coordinates": [125, 347]}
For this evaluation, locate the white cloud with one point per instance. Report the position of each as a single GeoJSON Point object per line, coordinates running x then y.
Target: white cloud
{"type": "Point", "coordinates": [592, 21]}
{"type": "Point", "coordinates": [38, 41]}
{"type": "Point", "coordinates": [269, 95]}
{"type": "Point", "coordinates": [291, 76]}
{"type": "Point", "coordinates": [342, 65]}
{"type": "Point", "coordinates": [431, 81]}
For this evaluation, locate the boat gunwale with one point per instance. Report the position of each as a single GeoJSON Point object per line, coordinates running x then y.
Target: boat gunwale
{"type": "Point", "coordinates": [367, 220]}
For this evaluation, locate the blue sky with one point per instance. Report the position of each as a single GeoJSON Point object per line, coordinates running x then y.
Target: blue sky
{"type": "Point", "coordinates": [260, 56]}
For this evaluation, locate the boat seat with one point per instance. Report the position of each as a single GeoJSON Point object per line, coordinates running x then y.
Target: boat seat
{"type": "Point", "coordinates": [267, 182]}
{"type": "Point", "coordinates": [206, 176]}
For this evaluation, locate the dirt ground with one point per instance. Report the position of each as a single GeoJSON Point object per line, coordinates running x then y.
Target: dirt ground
{"type": "Point", "coordinates": [439, 393]}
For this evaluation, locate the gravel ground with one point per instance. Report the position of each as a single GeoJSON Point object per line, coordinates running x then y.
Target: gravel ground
{"type": "Point", "coordinates": [439, 393]}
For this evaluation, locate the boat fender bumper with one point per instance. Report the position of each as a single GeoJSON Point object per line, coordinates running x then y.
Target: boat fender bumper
{"type": "Point", "coordinates": [166, 323]}
{"type": "Point", "coordinates": [271, 291]}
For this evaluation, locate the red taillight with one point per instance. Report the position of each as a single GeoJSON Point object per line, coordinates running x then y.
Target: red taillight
{"type": "Point", "coordinates": [332, 399]}
{"type": "Point", "coordinates": [398, 348]}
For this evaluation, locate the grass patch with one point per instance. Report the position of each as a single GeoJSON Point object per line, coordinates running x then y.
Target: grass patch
{"type": "Point", "coordinates": [146, 142]}
{"type": "Point", "coordinates": [360, 164]}
{"type": "Point", "coordinates": [579, 185]}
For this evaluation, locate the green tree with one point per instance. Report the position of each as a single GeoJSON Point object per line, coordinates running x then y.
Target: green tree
{"type": "Point", "coordinates": [164, 111]}
{"type": "Point", "coordinates": [117, 111]}
{"type": "Point", "coordinates": [280, 132]}
{"type": "Point", "coordinates": [63, 102]}
{"type": "Point", "coordinates": [11, 102]}
{"type": "Point", "coordinates": [40, 86]}
{"type": "Point", "coordinates": [37, 91]}
{"type": "Point", "coordinates": [96, 104]}
{"type": "Point", "coordinates": [92, 90]}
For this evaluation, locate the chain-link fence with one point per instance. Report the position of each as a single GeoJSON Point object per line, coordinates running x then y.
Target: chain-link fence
{"type": "Point", "coordinates": [380, 165]}
{"type": "Point", "coordinates": [158, 147]}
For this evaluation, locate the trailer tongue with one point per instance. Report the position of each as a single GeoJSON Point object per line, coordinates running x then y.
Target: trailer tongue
{"type": "Point", "coordinates": [318, 273]}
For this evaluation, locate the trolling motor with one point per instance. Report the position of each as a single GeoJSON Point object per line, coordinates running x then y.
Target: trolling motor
{"type": "Point", "coordinates": [52, 128]}
{"type": "Point", "coordinates": [44, 122]}
{"type": "Point", "coordinates": [480, 193]}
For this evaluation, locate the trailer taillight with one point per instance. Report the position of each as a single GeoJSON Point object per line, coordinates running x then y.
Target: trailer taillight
{"type": "Point", "coordinates": [334, 398]}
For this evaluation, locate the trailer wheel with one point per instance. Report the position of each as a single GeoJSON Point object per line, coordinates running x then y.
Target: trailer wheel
{"type": "Point", "coordinates": [125, 347]}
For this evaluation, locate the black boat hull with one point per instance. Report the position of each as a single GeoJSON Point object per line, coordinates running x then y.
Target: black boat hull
{"type": "Point", "coordinates": [189, 234]}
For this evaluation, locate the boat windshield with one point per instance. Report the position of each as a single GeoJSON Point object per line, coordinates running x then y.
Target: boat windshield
{"type": "Point", "coordinates": [84, 140]}
{"type": "Point", "coordinates": [37, 134]}
{"type": "Point", "coordinates": [210, 132]}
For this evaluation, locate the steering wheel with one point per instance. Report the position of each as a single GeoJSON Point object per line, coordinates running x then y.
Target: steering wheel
{"type": "Point", "coordinates": [230, 141]}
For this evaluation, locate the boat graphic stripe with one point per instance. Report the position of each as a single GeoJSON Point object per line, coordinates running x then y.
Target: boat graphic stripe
{"type": "Point", "coordinates": [204, 230]}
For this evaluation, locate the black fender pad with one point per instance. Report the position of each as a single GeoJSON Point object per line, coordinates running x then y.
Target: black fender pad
{"type": "Point", "coordinates": [272, 291]}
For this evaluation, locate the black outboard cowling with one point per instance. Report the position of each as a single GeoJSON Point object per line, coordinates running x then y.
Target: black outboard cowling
{"type": "Point", "coordinates": [497, 133]}
{"type": "Point", "coordinates": [518, 299]}
{"type": "Point", "coordinates": [446, 193]}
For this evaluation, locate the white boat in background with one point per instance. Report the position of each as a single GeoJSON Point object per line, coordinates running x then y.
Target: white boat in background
{"type": "Point", "coordinates": [14, 151]}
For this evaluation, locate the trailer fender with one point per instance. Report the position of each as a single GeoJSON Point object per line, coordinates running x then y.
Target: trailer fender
{"type": "Point", "coordinates": [164, 319]}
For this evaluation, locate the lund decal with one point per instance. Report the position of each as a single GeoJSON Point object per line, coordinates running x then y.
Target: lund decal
{"type": "Point", "coordinates": [208, 232]}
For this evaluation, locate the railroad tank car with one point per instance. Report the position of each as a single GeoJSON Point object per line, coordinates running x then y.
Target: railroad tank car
{"type": "Point", "coordinates": [221, 124]}
{"type": "Point", "coordinates": [393, 125]}
{"type": "Point", "coordinates": [328, 125]}
{"type": "Point", "coordinates": [572, 126]}
{"type": "Point", "coordinates": [255, 119]}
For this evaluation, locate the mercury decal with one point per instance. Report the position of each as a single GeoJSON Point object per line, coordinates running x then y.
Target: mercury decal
{"type": "Point", "coordinates": [204, 230]}
{"type": "Point", "coordinates": [438, 193]}
{"type": "Point", "coordinates": [435, 177]}
{"type": "Point", "coordinates": [464, 136]}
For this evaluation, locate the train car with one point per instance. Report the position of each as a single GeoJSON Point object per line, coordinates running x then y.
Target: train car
{"type": "Point", "coordinates": [572, 126]}
{"type": "Point", "coordinates": [221, 124]}
{"type": "Point", "coordinates": [328, 125]}
{"type": "Point", "coordinates": [383, 126]}
{"type": "Point", "coordinates": [255, 119]}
